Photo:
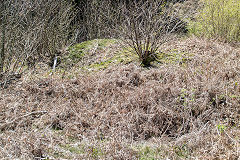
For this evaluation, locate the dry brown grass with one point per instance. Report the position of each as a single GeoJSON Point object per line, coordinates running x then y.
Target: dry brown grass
{"type": "Point", "coordinates": [188, 111]}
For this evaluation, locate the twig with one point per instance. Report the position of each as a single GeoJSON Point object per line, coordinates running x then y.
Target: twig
{"type": "Point", "coordinates": [4, 126]}
{"type": "Point", "coordinates": [9, 78]}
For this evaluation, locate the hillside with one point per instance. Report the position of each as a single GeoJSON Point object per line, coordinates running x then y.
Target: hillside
{"type": "Point", "coordinates": [101, 104]}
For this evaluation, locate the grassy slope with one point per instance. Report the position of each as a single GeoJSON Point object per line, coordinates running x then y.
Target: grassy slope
{"type": "Point", "coordinates": [185, 107]}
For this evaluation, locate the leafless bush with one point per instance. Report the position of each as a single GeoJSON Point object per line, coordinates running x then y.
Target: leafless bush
{"type": "Point", "coordinates": [146, 25]}
{"type": "Point", "coordinates": [31, 31]}
{"type": "Point", "coordinates": [142, 25]}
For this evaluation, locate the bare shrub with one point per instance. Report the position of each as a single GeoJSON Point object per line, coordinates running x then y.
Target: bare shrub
{"type": "Point", "coordinates": [146, 25]}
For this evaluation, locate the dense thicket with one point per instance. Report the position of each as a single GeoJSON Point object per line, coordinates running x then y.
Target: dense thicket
{"type": "Point", "coordinates": [98, 18]}
{"type": "Point", "coordinates": [33, 30]}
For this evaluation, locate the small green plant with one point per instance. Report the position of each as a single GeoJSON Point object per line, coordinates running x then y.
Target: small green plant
{"type": "Point", "coordinates": [221, 128]}
{"type": "Point", "coordinates": [182, 151]}
{"type": "Point", "coordinates": [187, 96]}
{"type": "Point", "coordinates": [96, 152]}
{"type": "Point", "coordinates": [232, 96]}
{"type": "Point", "coordinates": [183, 96]}
{"type": "Point", "coordinates": [148, 152]}
{"type": "Point", "coordinates": [218, 18]}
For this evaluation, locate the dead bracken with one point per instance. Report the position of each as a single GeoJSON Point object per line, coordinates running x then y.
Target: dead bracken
{"type": "Point", "coordinates": [177, 110]}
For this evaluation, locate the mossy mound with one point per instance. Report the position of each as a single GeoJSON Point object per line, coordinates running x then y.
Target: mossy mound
{"type": "Point", "coordinates": [77, 52]}
{"type": "Point", "coordinates": [96, 55]}
{"type": "Point", "coordinates": [99, 54]}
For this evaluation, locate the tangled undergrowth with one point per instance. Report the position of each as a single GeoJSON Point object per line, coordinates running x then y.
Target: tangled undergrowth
{"type": "Point", "coordinates": [171, 111]}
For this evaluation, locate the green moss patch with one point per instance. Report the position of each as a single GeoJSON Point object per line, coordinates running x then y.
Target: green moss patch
{"type": "Point", "coordinates": [120, 56]}
{"type": "Point", "coordinates": [173, 57]}
{"type": "Point", "coordinates": [77, 52]}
